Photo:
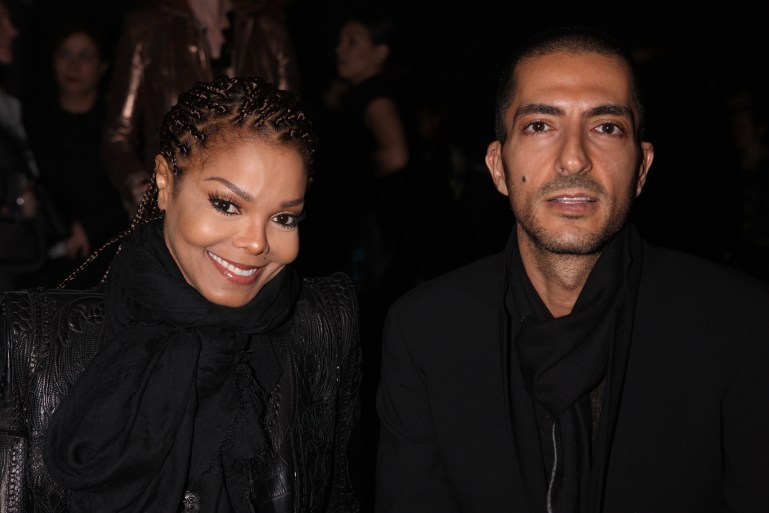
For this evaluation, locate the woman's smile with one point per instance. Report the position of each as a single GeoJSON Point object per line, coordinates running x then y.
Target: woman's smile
{"type": "Point", "coordinates": [235, 272]}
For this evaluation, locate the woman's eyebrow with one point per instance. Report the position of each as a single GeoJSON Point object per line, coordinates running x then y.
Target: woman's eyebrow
{"type": "Point", "coordinates": [231, 186]}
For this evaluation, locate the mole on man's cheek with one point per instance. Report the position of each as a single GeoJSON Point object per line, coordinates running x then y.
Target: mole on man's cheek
{"type": "Point", "coordinates": [523, 179]}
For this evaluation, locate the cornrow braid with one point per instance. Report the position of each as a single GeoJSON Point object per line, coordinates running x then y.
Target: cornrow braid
{"type": "Point", "coordinates": [207, 113]}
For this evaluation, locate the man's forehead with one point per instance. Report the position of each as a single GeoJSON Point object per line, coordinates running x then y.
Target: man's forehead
{"type": "Point", "coordinates": [569, 80]}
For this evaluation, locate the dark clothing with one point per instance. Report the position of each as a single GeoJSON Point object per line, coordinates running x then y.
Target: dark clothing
{"type": "Point", "coordinates": [247, 409]}
{"type": "Point", "coordinates": [67, 147]}
{"type": "Point", "coordinates": [750, 251]}
{"type": "Point", "coordinates": [684, 423]}
{"type": "Point", "coordinates": [24, 236]}
{"type": "Point", "coordinates": [373, 244]}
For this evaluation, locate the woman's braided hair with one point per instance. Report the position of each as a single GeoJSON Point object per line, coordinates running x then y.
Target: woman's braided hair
{"type": "Point", "coordinates": [215, 112]}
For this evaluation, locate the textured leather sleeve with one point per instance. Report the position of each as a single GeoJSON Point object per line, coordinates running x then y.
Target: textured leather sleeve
{"type": "Point", "coordinates": [329, 366]}
{"type": "Point", "coordinates": [343, 498]}
{"type": "Point", "coordinates": [48, 338]}
{"type": "Point", "coordinates": [13, 456]}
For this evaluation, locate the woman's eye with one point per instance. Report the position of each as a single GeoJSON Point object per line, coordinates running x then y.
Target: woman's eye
{"type": "Point", "coordinates": [288, 220]}
{"type": "Point", "coordinates": [223, 206]}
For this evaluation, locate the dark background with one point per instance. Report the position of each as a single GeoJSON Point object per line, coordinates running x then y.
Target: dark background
{"type": "Point", "coordinates": [694, 58]}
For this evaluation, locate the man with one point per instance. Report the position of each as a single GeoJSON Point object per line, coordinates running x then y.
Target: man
{"type": "Point", "coordinates": [583, 369]}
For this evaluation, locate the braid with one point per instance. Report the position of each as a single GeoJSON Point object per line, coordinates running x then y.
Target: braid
{"type": "Point", "coordinates": [208, 112]}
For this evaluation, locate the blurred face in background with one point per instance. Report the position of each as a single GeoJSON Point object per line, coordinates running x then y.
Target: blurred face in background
{"type": "Point", "coordinates": [357, 56]}
{"type": "Point", "coordinates": [78, 65]}
{"type": "Point", "coordinates": [8, 33]}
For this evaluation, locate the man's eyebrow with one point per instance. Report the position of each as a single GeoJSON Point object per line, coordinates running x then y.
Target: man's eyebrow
{"type": "Point", "coordinates": [537, 108]}
{"type": "Point", "coordinates": [601, 110]}
{"type": "Point", "coordinates": [231, 186]}
{"type": "Point", "coordinates": [612, 110]}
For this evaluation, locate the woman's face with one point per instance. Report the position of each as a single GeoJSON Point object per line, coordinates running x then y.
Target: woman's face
{"type": "Point", "coordinates": [357, 57]}
{"type": "Point", "coordinates": [8, 33]}
{"type": "Point", "coordinates": [77, 64]}
{"type": "Point", "coordinates": [231, 219]}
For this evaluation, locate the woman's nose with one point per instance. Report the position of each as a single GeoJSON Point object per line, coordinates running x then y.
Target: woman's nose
{"type": "Point", "coordinates": [254, 240]}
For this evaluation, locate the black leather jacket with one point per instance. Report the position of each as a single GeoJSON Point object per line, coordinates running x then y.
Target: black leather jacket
{"type": "Point", "coordinates": [47, 337]}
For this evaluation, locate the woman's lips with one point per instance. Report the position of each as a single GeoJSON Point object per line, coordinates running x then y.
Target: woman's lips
{"type": "Point", "coordinates": [236, 273]}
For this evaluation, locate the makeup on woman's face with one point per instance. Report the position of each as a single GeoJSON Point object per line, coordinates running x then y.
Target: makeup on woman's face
{"type": "Point", "coordinates": [231, 220]}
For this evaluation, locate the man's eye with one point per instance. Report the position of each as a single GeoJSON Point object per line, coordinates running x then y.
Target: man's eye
{"type": "Point", "coordinates": [610, 129]}
{"type": "Point", "coordinates": [536, 126]}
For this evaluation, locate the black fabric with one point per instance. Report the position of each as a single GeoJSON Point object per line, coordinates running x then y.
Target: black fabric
{"type": "Point", "coordinates": [562, 360]}
{"type": "Point", "coordinates": [173, 400]}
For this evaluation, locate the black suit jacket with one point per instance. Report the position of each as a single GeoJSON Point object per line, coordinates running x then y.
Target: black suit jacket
{"type": "Point", "coordinates": [691, 432]}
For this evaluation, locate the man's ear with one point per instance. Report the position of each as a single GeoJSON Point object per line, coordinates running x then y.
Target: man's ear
{"type": "Point", "coordinates": [164, 179]}
{"type": "Point", "coordinates": [496, 169]}
{"type": "Point", "coordinates": [647, 158]}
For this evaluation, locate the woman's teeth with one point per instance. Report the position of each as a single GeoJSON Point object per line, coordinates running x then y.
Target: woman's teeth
{"type": "Point", "coordinates": [234, 270]}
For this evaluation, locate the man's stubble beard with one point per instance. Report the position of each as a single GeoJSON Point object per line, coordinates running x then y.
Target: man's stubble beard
{"type": "Point", "coordinates": [586, 243]}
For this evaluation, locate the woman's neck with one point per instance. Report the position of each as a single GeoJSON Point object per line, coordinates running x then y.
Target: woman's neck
{"type": "Point", "coordinates": [77, 103]}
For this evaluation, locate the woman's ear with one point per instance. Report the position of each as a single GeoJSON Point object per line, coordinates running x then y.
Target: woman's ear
{"type": "Point", "coordinates": [164, 179]}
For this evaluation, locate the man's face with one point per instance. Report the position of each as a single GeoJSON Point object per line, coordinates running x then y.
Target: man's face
{"type": "Point", "coordinates": [570, 165]}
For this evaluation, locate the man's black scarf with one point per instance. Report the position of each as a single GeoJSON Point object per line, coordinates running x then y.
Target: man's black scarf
{"type": "Point", "coordinates": [175, 398]}
{"type": "Point", "coordinates": [562, 360]}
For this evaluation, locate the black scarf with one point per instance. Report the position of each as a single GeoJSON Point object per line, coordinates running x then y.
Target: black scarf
{"type": "Point", "coordinates": [562, 360]}
{"type": "Point", "coordinates": [174, 399]}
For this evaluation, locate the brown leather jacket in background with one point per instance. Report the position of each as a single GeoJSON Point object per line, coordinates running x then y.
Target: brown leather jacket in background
{"type": "Point", "coordinates": [162, 52]}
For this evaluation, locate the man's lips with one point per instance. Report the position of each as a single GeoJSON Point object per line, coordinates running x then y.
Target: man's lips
{"type": "Point", "coordinates": [572, 199]}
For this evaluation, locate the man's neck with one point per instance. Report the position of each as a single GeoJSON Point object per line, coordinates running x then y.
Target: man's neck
{"type": "Point", "coordinates": [558, 279]}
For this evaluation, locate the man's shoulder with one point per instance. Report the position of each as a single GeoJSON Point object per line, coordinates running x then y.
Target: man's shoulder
{"type": "Point", "coordinates": [478, 282]}
{"type": "Point", "coordinates": [681, 273]}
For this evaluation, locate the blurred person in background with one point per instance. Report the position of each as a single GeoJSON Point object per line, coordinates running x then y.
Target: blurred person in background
{"type": "Point", "coordinates": [167, 46]}
{"type": "Point", "coordinates": [29, 223]}
{"type": "Point", "coordinates": [65, 128]}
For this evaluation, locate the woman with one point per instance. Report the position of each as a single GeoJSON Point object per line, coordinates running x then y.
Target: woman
{"type": "Point", "coordinates": [366, 153]}
{"type": "Point", "coordinates": [65, 128]}
{"type": "Point", "coordinates": [224, 382]}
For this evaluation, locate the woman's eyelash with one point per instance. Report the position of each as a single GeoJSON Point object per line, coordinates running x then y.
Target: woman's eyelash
{"type": "Point", "coordinates": [223, 205]}
{"type": "Point", "coordinates": [289, 220]}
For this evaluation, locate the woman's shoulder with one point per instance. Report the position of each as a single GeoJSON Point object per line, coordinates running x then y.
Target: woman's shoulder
{"type": "Point", "coordinates": [53, 298]}
{"type": "Point", "coordinates": [34, 309]}
{"type": "Point", "coordinates": [328, 301]}
{"type": "Point", "coordinates": [336, 285]}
